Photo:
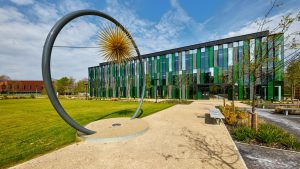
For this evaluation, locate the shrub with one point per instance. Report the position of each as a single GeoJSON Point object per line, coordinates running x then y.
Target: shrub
{"type": "Point", "coordinates": [5, 96]}
{"type": "Point", "coordinates": [290, 141]}
{"type": "Point", "coordinates": [269, 134]}
{"type": "Point", "coordinates": [32, 96]}
{"type": "Point", "coordinates": [244, 133]}
{"type": "Point", "coordinates": [241, 115]}
{"type": "Point", "coordinates": [231, 118]}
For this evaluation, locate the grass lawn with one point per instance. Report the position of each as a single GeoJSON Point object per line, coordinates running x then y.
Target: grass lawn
{"type": "Point", "coordinates": [29, 127]}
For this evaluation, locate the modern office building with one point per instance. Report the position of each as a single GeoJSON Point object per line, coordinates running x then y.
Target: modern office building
{"type": "Point", "coordinates": [219, 67]}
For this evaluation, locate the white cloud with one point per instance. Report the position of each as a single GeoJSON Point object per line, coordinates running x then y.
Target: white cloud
{"type": "Point", "coordinates": [22, 40]}
{"type": "Point", "coordinates": [22, 2]}
{"type": "Point", "coordinates": [45, 12]}
{"type": "Point", "coordinates": [73, 5]}
{"type": "Point", "coordinates": [272, 26]}
{"type": "Point", "coordinates": [167, 33]}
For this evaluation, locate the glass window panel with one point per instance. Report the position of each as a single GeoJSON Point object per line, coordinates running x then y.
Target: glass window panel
{"type": "Point", "coordinates": [230, 56]}
{"type": "Point", "coordinates": [176, 62]}
{"type": "Point", "coordinates": [183, 61]}
{"type": "Point", "coordinates": [252, 50]}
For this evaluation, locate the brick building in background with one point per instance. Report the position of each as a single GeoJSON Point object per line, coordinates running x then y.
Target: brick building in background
{"type": "Point", "coordinates": [21, 86]}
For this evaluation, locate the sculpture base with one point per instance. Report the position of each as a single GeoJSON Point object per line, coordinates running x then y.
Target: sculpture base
{"type": "Point", "coordinates": [115, 129]}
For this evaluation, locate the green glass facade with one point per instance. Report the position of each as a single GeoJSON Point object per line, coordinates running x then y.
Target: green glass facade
{"type": "Point", "coordinates": [198, 71]}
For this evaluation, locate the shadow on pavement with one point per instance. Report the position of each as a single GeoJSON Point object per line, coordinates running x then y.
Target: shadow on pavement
{"type": "Point", "coordinates": [210, 150]}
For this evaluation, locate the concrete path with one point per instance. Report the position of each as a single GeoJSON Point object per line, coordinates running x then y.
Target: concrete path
{"type": "Point", "coordinates": [182, 136]}
{"type": "Point", "coordinates": [258, 157]}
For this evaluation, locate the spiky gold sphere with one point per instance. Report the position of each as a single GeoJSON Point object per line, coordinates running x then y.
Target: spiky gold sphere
{"type": "Point", "coordinates": [115, 45]}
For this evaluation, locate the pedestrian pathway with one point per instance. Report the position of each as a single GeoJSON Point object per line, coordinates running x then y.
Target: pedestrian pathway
{"type": "Point", "coordinates": [182, 136]}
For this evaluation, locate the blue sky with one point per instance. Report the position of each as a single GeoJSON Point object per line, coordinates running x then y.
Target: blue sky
{"type": "Point", "coordinates": [155, 25]}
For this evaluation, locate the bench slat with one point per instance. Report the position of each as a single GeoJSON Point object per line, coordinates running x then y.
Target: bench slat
{"type": "Point", "coordinates": [215, 113]}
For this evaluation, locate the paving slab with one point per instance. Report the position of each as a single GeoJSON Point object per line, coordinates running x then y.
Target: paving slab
{"type": "Point", "coordinates": [182, 136]}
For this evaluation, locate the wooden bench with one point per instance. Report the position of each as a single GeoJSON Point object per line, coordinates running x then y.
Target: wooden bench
{"type": "Point", "coordinates": [286, 110]}
{"type": "Point", "coordinates": [216, 114]}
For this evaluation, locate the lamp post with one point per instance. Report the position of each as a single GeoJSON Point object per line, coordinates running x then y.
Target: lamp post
{"type": "Point", "coordinates": [156, 89]}
{"type": "Point", "coordinates": [86, 88]}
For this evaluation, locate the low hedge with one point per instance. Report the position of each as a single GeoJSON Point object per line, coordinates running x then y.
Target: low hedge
{"type": "Point", "coordinates": [267, 134]}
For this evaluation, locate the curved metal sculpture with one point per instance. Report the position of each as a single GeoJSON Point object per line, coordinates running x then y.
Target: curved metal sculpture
{"type": "Point", "coordinates": [46, 72]}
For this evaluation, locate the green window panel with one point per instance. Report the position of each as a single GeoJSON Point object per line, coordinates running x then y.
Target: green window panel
{"type": "Point", "coordinates": [167, 64]}
{"type": "Point", "coordinates": [206, 59]}
{"type": "Point", "coordinates": [225, 56]}
{"type": "Point", "coordinates": [198, 58]}
{"type": "Point", "coordinates": [164, 91]}
{"type": "Point", "coordinates": [241, 91]}
{"type": "Point", "coordinates": [211, 56]}
{"type": "Point", "coordinates": [235, 62]}
{"type": "Point", "coordinates": [201, 78]}
{"type": "Point", "coordinates": [216, 77]}
{"type": "Point", "coordinates": [279, 52]}
{"type": "Point", "coordinates": [235, 73]}
{"type": "Point", "coordinates": [270, 90]}
{"type": "Point", "coordinates": [199, 94]}
{"type": "Point", "coordinates": [246, 62]}
{"type": "Point", "coordinates": [191, 61]}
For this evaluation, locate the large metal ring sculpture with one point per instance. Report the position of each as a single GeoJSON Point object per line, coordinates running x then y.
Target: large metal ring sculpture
{"type": "Point", "coordinates": [47, 58]}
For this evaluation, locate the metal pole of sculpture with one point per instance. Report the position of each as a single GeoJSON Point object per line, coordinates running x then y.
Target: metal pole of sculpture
{"type": "Point", "coordinates": [46, 72]}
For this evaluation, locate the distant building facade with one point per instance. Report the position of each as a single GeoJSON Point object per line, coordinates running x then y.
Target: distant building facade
{"type": "Point", "coordinates": [21, 86]}
{"type": "Point", "coordinates": [197, 71]}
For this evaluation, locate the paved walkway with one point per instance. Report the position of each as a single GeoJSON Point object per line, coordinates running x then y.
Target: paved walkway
{"type": "Point", "coordinates": [257, 157]}
{"type": "Point", "coordinates": [178, 137]}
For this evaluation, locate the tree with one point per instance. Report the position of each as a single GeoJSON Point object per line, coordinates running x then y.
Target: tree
{"type": "Point", "coordinates": [71, 85]}
{"type": "Point", "coordinates": [4, 77]}
{"type": "Point", "coordinates": [80, 86]}
{"type": "Point", "coordinates": [256, 63]}
{"type": "Point", "coordinates": [293, 76]}
{"type": "Point", "coordinates": [65, 85]}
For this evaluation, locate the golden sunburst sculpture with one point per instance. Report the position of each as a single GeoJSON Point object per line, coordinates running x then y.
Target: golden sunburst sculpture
{"type": "Point", "coordinates": [115, 45]}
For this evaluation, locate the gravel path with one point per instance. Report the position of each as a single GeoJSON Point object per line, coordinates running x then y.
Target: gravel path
{"type": "Point", "coordinates": [181, 136]}
{"type": "Point", "coordinates": [257, 157]}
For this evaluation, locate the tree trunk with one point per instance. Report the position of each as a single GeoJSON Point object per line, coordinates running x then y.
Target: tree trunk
{"type": "Point", "coordinates": [249, 119]}
{"type": "Point", "coordinates": [254, 115]}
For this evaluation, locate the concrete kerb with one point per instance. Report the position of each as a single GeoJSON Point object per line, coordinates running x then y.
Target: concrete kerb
{"type": "Point", "coordinates": [235, 147]}
{"type": "Point", "coordinates": [291, 151]}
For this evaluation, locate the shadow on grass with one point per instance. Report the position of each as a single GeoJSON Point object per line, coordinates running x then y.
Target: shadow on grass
{"type": "Point", "coordinates": [121, 113]}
